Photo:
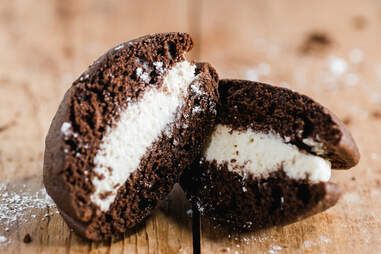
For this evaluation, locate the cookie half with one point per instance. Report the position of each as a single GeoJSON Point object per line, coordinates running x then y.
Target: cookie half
{"type": "Point", "coordinates": [269, 158]}
{"type": "Point", "coordinates": [125, 131]}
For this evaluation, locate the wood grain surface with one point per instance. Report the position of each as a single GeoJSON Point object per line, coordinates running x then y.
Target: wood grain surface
{"type": "Point", "coordinates": [46, 44]}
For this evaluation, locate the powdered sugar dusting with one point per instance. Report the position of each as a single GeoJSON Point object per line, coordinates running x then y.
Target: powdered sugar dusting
{"type": "Point", "coordinates": [196, 110]}
{"type": "Point", "coordinates": [66, 129]}
{"type": "Point", "coordinates": [352, 198]}
{"type": "Point", "coordinates": [196, 88]}
{"type": "Point", "coordinates": [119, 47]}
{"type": "Point", "coordinates": [254, 74]}
{"type": "Point", "coordinates": [307, 244]}
{"type": "Point", "coordinates": [19, 203]}
{"type": "Point", "coordinates": [356, 56]}
{"type": "Point", "coordinates": [143, 75]}
{"type": "Point", "coordinates": [3, 239]}
{"type": "Point", "coordinates": [274, 249]}
{"type": "Point", "coordinates": [337, 65]}
{"type": "Point", "coordinates": [159, 67]}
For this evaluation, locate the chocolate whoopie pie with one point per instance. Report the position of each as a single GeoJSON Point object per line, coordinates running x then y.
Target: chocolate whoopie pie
{"type": "Point", "coordinates": [269, 158]}
{"type": "Point", "coordinates": [125, 131]}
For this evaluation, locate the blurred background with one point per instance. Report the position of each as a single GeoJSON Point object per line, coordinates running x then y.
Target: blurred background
{"type": "Point", "coordinates": [329, 50]}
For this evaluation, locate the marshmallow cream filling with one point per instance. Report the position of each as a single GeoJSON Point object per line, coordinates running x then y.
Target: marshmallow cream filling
{"type": "Point", "coordinates": [139, 126]}
{"type": "Point", "coordinates": [260, 153]}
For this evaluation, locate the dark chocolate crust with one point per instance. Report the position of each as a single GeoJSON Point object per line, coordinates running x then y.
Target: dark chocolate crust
{"type": "Point", "coordinates": [262, 107]}
{"type": "Point", "coordinates": [239, 203]}
{"type": "Point", "coordinates": [92, 104]}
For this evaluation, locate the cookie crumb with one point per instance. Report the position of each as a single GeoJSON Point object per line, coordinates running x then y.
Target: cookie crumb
{"type": "Point", "coordinates": [359, 22]}
{"type": "Point", "coordinates": [376, 114]}
{"type": "Point", "coordinates": [27, 238]}
{"type": "Point", "coordinates": [315, 42]}
{"type": "Point", "coordinates": [225, 250]}
{"type": "Point", "coordinates": [347, 120]}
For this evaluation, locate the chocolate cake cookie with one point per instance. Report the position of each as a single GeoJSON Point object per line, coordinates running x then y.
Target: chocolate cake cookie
{"type": "Point", "coordinates": [269, 158]}
{"type": "Point", "coordinates": [125, 131]}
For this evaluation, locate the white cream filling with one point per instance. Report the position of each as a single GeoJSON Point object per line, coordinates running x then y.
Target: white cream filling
{"type": "Point", "coordinates": [260, 154]}
{"type": "Point", "coordinates": [139, 126]}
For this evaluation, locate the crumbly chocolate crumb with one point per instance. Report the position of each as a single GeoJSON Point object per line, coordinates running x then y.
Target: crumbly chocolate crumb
{"type": "Point", "coordinates": [315, 42]}
{"type": "Point", "coordinates": [359, 22]}
{"type": "Point", "coordinates": [27, 238]}
{"type": "Point", "coordinates": [376, 114]}
{"type": "Point", "coordinates": [105, 195]}
{"type": "Point", "coordinates": [347, 120]}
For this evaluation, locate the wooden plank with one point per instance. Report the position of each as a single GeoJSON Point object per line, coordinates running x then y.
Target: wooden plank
{"type": "Point", "coordinates": [262, 40]}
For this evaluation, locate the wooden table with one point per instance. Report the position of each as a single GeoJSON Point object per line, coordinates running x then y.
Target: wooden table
{"type": "Point", "coordinates": [329, 50]}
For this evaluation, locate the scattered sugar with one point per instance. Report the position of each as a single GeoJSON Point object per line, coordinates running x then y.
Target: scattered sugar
{"type": "Point", "coordinates": [144, 76]}
{"type": "Point", "coordinates": [3, 239]}
{"type": "Point", "coordinates": [189, 212]}
{"type": "Point", "coordinates": [337, 65]}
{"type": "Point", "coordinates": [159, 67]}
{"type": "Point", "coordinates": [308, 244]}
{"type": "Point", "coordinates": [324, 239]}
{"type": "Point", "coordinates": [359, 112]}
{"type": "Point", "coordinates": [274, 249]}
{"type": "Point", "coordinates": [263, 69]}
{"type": "Point", "coordinates": [200, 208]}
{"type": "Point", "coordinates": [119, 47]}
{"type": "Point", "coordinates": [66, 129]}
{"type": "Point", "coordinates": [375, 98]}
{"type": "Point", "coordinates": [15, 206]}
{"type": "Point", "coordinates": [351, 79]}
{"type": "Point", "coordinates": [196, 110]}
{"type": "Point", "coordinates": [196, 88]}
{"type": "Point", "coordinates": [84, 77]}
{"type": "Point", "coordinates": [352, 198]}
{"type": "Point", "coordinates": [374, 156]}
{"type": "Point", "coordinates": [321, 240]}
{"type": "Point", "coordinates": [356, 56]}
